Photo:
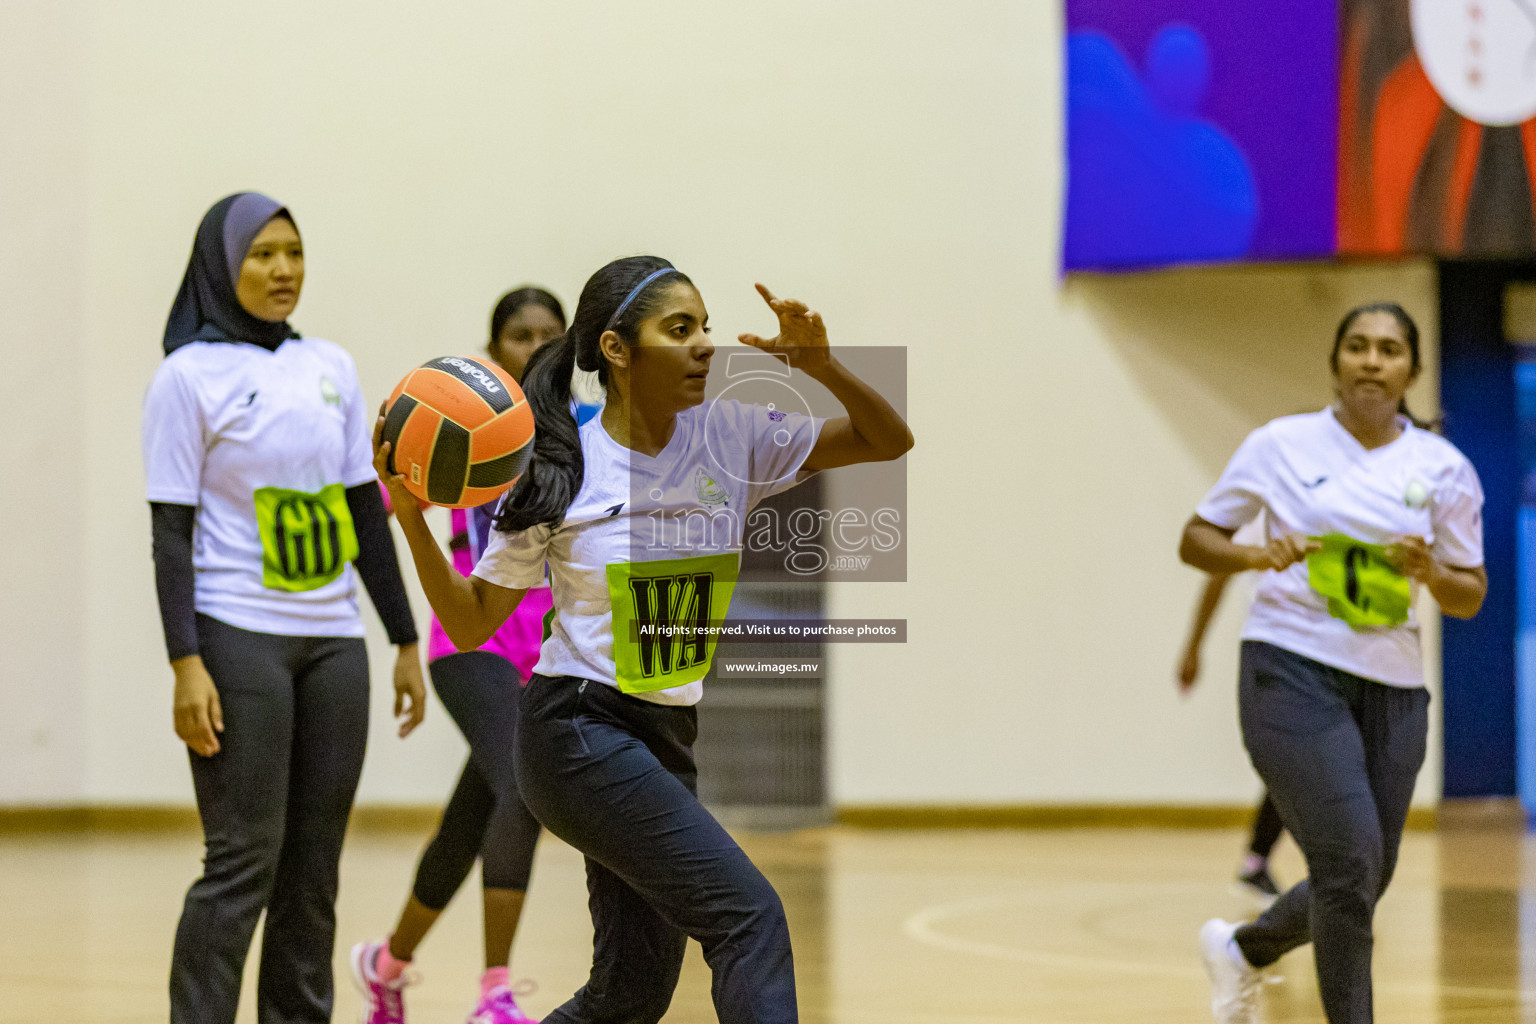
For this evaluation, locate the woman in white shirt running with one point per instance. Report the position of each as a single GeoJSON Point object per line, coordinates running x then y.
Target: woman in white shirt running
{"type": "Point", "coordinates": [1362, 509]}
{"type": "Point", "coordinates": [640, 517]}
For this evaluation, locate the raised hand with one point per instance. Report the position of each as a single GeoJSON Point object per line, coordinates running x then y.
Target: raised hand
{"type": "Point", "coordinates": [802, 337]}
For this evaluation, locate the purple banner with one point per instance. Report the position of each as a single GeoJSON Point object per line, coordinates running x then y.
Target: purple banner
{"type": "Point", "coordinates": [1200, 131]}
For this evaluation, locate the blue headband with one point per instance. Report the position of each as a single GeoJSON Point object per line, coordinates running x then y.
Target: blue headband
{"type": "Point", "coordinates": [635, 294]}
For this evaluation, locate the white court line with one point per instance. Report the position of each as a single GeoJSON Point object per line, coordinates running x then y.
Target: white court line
{"type": "Point", "coordinates": [921, 927]}
{"type": "Point", "coordinates": [882, 1016]}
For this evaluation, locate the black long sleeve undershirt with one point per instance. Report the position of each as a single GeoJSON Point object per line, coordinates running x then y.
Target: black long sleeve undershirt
{"type": "Point", "coordinates": [377, 565]}
{"type": "Point", "coordinates": [171, 530]}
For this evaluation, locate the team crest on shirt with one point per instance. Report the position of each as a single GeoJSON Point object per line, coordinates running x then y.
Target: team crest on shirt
{"type": "Point", "coordinates": [328, 391]}
{"type": "Point", "coordinates": [709, 491]}
{"type": "Point", "coordinates": [1416, 494]}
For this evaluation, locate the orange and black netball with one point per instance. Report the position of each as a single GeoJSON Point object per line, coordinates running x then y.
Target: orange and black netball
{"type": "Point", "coordinates": [460, 431]}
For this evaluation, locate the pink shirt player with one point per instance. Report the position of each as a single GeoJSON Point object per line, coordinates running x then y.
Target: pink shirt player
{"type": "Point", "coordinates": [519, 638]}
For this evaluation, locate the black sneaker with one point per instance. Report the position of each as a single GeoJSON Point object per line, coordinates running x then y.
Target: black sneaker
{"type": "Point", "coordinates": [1259, 885]}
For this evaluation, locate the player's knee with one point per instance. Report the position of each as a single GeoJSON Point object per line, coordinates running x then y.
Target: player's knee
{"type": "Point", "coordinates": [751, 916]}
{"type": "Point", "coordinates": [642, 999]}
{"type": "Point", "coordinates": [244, 862]}
{"type": "Point", "coordinates": [765, 909]}
{"type": "Point", "coordinates": [1348, 878]}
{"type": "Point", "coordinates": [652, 1005]}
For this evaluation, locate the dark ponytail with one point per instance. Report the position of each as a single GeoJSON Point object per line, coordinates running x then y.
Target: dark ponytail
{"type": "Point", "coordinates": [616, 298]}
{"type": "Point", "coordinates": [1410, 336]}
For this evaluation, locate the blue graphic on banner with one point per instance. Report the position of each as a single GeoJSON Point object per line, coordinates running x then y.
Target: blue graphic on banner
{"type": "Point", "coordinates": [1149, 180]}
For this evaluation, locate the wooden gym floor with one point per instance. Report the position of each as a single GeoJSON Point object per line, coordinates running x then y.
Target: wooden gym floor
{"type": "Point", "coordinates": [1089, 926]}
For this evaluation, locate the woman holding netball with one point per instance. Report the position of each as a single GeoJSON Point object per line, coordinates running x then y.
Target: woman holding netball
{"type": "Point", "coordinates": [1362, 509]}
{"type": "Point", "coordinates": [485, 818]}
{"type": "Point", "coordinates": [263, 503]}
{"type": "Point", "coordinates": [639, 515]}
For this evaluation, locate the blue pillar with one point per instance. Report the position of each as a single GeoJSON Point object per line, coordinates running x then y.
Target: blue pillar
{"type": "Point", "coordinates": [1478, 394]}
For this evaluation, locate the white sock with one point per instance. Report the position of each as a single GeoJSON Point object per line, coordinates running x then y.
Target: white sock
{"type": "Point", "coordinates": [1236, 953]}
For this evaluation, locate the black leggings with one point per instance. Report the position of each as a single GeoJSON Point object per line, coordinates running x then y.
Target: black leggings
{"type": "Point", "coordinates": [274, 803]}
{"type": "Point", "coordinates": [1267, 828]}
{"type": "Point", "coordinates": [485, 817]}
{"type": "Point", "coordinates": [1340, 755]}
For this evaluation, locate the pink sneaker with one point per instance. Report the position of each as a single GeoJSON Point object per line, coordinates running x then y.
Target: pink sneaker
{"type": "Point", "coordinates": [383, 1002]}
{"type": "Point", "coordinates": [498, 1007]}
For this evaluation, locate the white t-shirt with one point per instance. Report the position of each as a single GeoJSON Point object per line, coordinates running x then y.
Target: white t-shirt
{"type": "Point", "coordinates": [265, 445]}
{"type": "Point", "coordinates": [653, 541]}
{"type": "Point", "coordinates": [1309, 475]}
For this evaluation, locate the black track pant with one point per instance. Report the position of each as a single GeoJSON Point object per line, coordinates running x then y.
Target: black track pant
{"type": "Point", "coordinates": [274, 803]}
{"type": "Point", "coordinates": [1340, 755]}
{"type": "Point", "coordinates": [485, 817]}
{"type": "Point", "coordinates": [614, 776]}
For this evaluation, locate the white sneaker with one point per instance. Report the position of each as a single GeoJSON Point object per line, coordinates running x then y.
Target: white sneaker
{"type": "Point", "coordinates": [1234, 983]}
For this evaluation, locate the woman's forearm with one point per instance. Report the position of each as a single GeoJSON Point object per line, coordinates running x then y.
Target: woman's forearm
{"type": "Point", "coordinates": [869, 414]}
{"type": "Point", "coordinates": [453, 597]}
{"type": "Point", "coordinates": [1209, 548]}
{"type": "Point", "coordinates": [171, 538]}
{"type": "Point", "coordinates": [377, 565]}
{"type": "Point", "coordinates": [1459, 592]}
{"type": "Point", "coordinates": [1205, 610]}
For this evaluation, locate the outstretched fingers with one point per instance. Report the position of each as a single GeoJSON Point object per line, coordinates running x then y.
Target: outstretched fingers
{"type": "Point", "coordinates": [781, 307]}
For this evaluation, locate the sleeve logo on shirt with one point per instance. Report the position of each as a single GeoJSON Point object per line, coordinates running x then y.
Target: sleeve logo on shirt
{"type": "Point", "coordinates": [1416, 494]}
{"type": "Point", "coordinates": [329, 392]}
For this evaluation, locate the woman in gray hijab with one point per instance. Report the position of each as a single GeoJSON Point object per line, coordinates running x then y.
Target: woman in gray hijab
{"type": "Point", "coordinates": [265, 511]}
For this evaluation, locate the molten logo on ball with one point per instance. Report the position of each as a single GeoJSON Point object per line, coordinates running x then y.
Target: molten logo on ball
{"type": "Point", "coordinates": [465, 366]}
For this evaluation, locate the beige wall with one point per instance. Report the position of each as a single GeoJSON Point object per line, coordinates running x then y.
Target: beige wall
{"type": "Point", "coordinates": [1046, 603]}
{"type": "Point", "coordinates": [897, 165]}
{"type": "Point", "coordinates": [43, 367]}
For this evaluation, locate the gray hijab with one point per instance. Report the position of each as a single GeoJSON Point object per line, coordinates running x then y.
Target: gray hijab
{"type": "Point", "coordinates": [206, 308]}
